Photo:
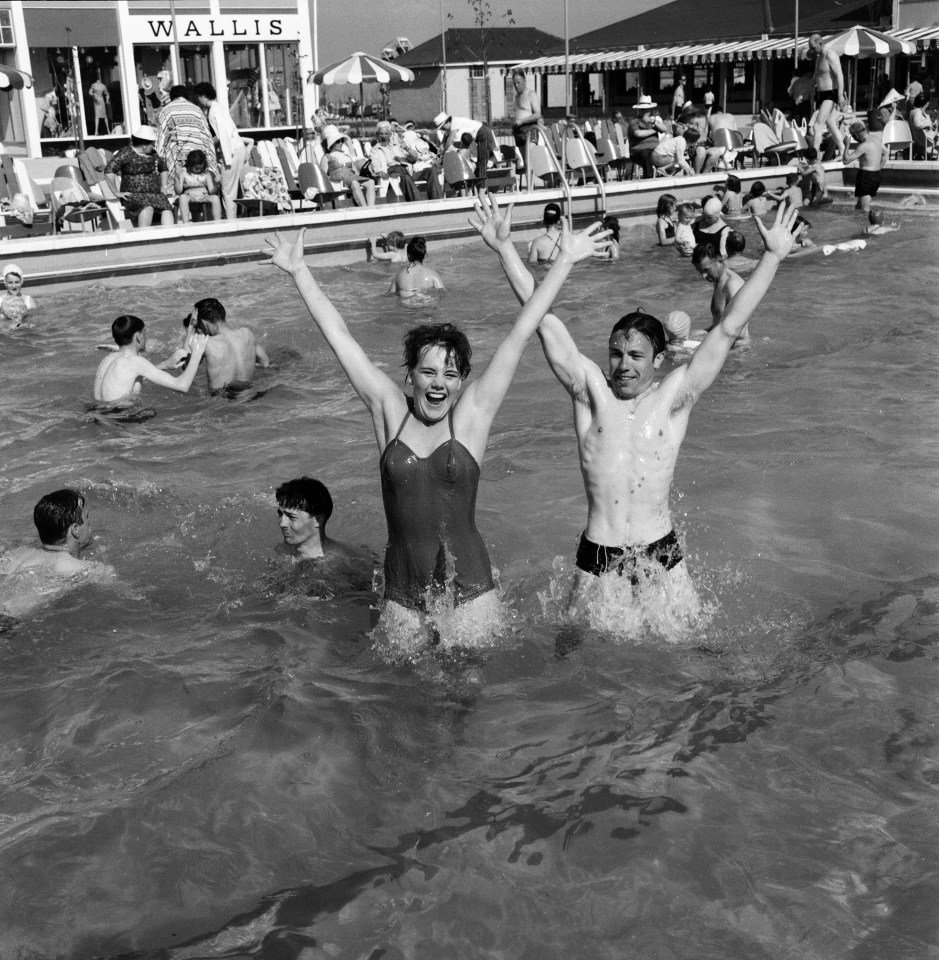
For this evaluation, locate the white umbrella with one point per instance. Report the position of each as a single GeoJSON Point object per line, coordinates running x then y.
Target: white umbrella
{"type": "Point", "coordinates": [864, 42]}
{"type": "Point", "coordinates": [361, 68]}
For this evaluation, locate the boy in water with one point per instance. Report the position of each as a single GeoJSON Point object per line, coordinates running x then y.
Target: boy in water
{"type": "Point", "coordinates": [684, 231]}
{"type": "Point", "coordinates": [792, 192]}
{"type": "Point", "coordinates": [14, 306]}
{"type": "Point", "coordinates": [814, 187]}
{"type": "Point", "coordinates": [63, 522]}
{"type": "Point", "coordinates": [869, 154]}
{"type": "Point", "coordinates": [303, 507]}
{"type": "Point", "coordinates": [120, 374]}
{"type": "Point", "coordinates": [630, 426]}
{"type": "Point", "coordinates": [415, 280]}
{"type": "Point", "coordinates": [732, 201]}
{"type": "Point", "coordinates": [393, 248]}
{"type": "Point", "coordinates": [231, 352]}
{"type": "Point", "coordinates": [736, 244]}
{"type": "Point", "coordinates": [758, 202]}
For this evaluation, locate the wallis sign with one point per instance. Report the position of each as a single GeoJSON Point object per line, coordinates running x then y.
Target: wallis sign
{"type": "Point", "coordinates": [243, 29]}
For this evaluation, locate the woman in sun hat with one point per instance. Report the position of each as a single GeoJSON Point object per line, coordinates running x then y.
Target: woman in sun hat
{"type": "Point", "coordinates": [339, 165]}
{"type": "Point", "coordinates": [643, 130]}
{"type": "Point", "coordinates": [144, 179]}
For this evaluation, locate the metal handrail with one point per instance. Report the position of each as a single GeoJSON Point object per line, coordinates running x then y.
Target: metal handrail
{"type": "Point", "coordinates": [559, 167]}
{"type": "Point", "coordinates": [571, 125]}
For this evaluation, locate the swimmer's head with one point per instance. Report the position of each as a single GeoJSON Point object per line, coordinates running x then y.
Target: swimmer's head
{"type": "Point", "coordinates": [876, 218]}
{"type": "Point", "coordinates": [858, 131]}
{"type": "Point", "coordinates": [811, 154]}
{"type": "Point", "coordinates": [792, 178]}
{"type": "Point", "coordinates": [552, 214]}
{"type": "Point", "coordinates": [678, 326]}
{"type": "Point", "coordinates": [196, 161]}
{"type": "Point", "coordinates": [686, 213]}
{"type": "Point", "coordinates": [637, 347]}
{"type": "Point", "coordinates": [711, 209]}
{"type": "Point", "coordinates": [733, 183]}
{"type": "Point", "coordinates": [666, 205]}
{"type": "Point", "coordinates": [706, 259]}
{"type": "Point", "coordinates": [60, 514]}
{"type": "Point", "coordinates": [209, 314]}
{"type": "Point", "coordinates": [757, 188]}
{"type": "Point", "coordinates": [444, 335]}
{"type": "Point", "coordinates": [802, 223]}
{"type": "Point", "coordinates": [416, 249]}
{"type": "Point", "coordinates": [394, 240]}
{"type": "Point", "coordinates": [125, 328]}
{"type": "Point", "coordinates": [303, 507]}
{"type": "Point", "coordinates": [611, 224]}
{"type": "Point", "coordinates": [736, 243]}
{"type": "Point", "coordinates": [12, 278]}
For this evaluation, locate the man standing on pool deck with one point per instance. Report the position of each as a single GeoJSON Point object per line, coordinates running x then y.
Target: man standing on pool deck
{"type": "Point", "coordinates": [829, 92]}
{"type": "Point", "coordinates": [231, 352]}
{"type": "Point", "coordinates": [630, 427]}
{"type": "Point", "coordinates": [527, 115]}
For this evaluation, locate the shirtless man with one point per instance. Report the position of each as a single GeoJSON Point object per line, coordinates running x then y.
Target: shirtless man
{"type": "Point", "coordinates": [34, 575]}
{"type": "Point", "coordinates": [527, 115]}
{"type": "Point", "coordinates": [120, 374]}
{"type": "Point", "coordinates": [630, 427]}
{"type": "Point", "coordinates": [231, 352]}
{"type": "Point", "coordinates": [829, 92]}
{"type": "Point", "coordinates": [869, 154]}
{"type": "Point", "coordinates": [710, 264]}
{"type": "Point", "coordinates": [303, 507]}
{"type": "Point", "coordinates": [415, 280]}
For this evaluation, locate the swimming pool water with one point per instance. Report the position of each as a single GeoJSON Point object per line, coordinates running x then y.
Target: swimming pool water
{"type": "Point", "coordinates": [210, 760]}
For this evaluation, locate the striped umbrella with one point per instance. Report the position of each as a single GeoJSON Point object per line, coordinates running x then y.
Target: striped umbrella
{"type": "Point", "coordinates": [360, 68]}
{"type": "Point", "coordinates": [864, 42]}
{"type": "Point", "coordinates": [11, 79]}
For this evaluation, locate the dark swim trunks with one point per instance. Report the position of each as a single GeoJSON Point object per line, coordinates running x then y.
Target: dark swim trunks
{"type": "Point", "coordinates": [597, 559]}
{"type": "Point", "coordinates": [867, 183]}
{"type": "Point", "coordinates": [822, 95]}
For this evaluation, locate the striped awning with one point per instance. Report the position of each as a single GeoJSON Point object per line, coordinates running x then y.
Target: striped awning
{"type": "Point", "coordinates": [691, 53]}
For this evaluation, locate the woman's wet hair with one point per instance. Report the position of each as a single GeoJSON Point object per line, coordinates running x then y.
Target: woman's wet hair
{"type": "Point", "coordinates": [647, 325]}
{"type": "Point", "coordinates": [307, 494]}
{"type": "Point", "coordinates": [125, 328]}
{"type": "Point", "coordinates": [56, 512]}
{"type": "Point", "coordinates": [195, 158]}
{"type": "Point", "coordinates": [552, 214]}
{"type": "Point", "coordinates": [666, 205]}
{"type": "Point", "coordinates": [416, 249]}
{"type": "Point", "coordinates": [445, 335]}
{"type": "Point", "coordinates": [732, 183]}
{"type": "Point", "coordinates": [612, 224]}
{"type": "Point", "coordinates": [736, 242]}
{"type": "Point", "coordinates": [757, 188]}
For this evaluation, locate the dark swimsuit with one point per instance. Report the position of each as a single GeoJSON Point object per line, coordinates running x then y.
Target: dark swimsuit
{"type": "Point", "coordinates": [430, 507]}
{"type": "Point", "coordinates": [630, 561]}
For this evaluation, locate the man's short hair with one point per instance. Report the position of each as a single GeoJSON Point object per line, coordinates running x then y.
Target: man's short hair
{"type": "Point", "coordinates": [811, 154]}
{"type": "Point", "coordinates": [645, 324]}
{"type": "Point", "coordinates": [307, 494]}
{"type": "Point", "coordinates": [445, 335]}
{"type": "Point", "coordinates": [204, 89]}
{"type": "Point", "coordinates": [56, 512]}
{"type": "Point", "coordinates": [704, 251]}
{"type": "Point", "coordinates": [395, 239]}
{"type": "Point", "coordinates": [210, 310]}
{"type": "Point", "coordinates": [518, 72]}
{"type": "Point", "coordinates": [792, 178]}
{"type": "Point", "coordinates": [416, 249]}
{"type": "Point", "coordinates": [177, 91]}
{"type": "Point", "coordinates": [736, 242]}
{"type": "Point", "coordinates": [125, 328]}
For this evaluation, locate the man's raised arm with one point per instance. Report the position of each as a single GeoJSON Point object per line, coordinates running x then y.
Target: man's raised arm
{"type": "Point", "coordinates": [705, 365]}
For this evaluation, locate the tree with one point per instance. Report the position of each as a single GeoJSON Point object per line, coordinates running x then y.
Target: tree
{"type": "Point", "coordinates": [483, 18]}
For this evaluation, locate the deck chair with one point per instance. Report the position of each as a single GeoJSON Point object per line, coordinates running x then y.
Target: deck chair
{"type": "Point", "coordinates": [458, 174]}
{"type": "Point", "coordinates": [898, 138]}
{"type": "Point", "coordinates": [736, 151]}
{"type": "Point", "coordinates": [609, 153]}
{"type": "Point", "coordinates": [70, 205]}
{"type": "Point", "coordinates": [542, 167]}
{"type": "Point", "coordinates": [293, 188]}
{"type": "Point", "coordinates": [317, 189]}
{"type": "Point", "coordinates": [766, 145]}
{"type": "Point", "coordinates": [577, 160]}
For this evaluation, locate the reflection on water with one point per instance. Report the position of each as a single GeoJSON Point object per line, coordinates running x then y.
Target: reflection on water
{"type": "Point", "coordinates": [211, 760]}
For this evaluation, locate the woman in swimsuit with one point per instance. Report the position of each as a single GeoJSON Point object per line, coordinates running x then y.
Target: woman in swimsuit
{"type": "Point", "coordinates": [544, 248]}
{"type": "Point", "coordinates": [431, 443]}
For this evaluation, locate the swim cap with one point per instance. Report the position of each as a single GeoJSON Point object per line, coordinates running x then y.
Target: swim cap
{"type": "Point", "coordinates": [678, 325]}
{"type": "Point", "coordinates": [13, 268]}
{"type": "Point", "coordinates": [712, 207]}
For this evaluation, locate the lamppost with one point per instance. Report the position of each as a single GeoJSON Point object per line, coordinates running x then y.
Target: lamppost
{"type": "Point", "coordinates": [443, 45]}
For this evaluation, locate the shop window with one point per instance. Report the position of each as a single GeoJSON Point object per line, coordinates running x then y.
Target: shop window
{"type": "Point", "coordinates": [12, 128]}
{"type": "Point", "coordinates": [195, 64]}
{"type": "Point", "coordinates": [242, 67]}
{"type": "Point", "coordinates": [154, 79]}
{"type": "Point", "coordinates": [284, 85]}
{"type": "Point", "coordinates": [90, 103]}
{"type": "Point", "coordinates": [6, 29]}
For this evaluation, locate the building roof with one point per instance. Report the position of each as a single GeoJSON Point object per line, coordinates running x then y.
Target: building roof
{"type": "Point", "coordinates": [465, 45]}
{"type": "Point", "coordinates": [691, 21]}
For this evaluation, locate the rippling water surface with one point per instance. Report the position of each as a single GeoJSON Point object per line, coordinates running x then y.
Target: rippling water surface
{"type": "Point", "coordinates": [210, 760]}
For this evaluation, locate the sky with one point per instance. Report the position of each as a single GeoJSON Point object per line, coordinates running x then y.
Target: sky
{"type": "Point", "coordinates": [349, 25]}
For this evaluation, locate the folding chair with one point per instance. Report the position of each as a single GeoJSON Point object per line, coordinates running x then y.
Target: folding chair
{"type": "Point", "coordinates": [898, 138]}
{"type": "Point", "coordinates": [70, 204]}
{"type": "Point", "coordinates": [316, 188]}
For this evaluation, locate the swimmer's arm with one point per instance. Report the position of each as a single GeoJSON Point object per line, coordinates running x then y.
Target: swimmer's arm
{"type": "Point", "coordinates": [374, 386]}
{"type": "Point", "coordinates": [837, 76]}
{"type": "Point", "coordinates": [567, 363]}
{"type": "Point", "coordinates": [182, 383]}
{"type": "Point", "coordinates": [709, 358]}
{"type": "Point", "coordinates": [174, 360]}
{"type": "Point", "coordinates": [435, 281]}
{"type": "Point", "coordinates": [260, 354]}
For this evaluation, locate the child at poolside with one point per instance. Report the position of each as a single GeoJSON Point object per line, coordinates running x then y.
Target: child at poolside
{"type": "Point", "coordinates": [665, 219]}
{"type": "Point", "coordinates": [876, 226]}
{"type": "Point", "coordinates": [732, 201]}
{"type": "Point", "coordinates": [684, 234]}
{"type": "Point", "coordinates": [612, 251]}
{"type": "Point", "coordinates": [758, 203]}
{"type": "Point", "coordinates": [393, 243]}
{"type": "Point", "coordinates": [194, 181]}
{"type": "Point", "coordinates": [15, 305]}
{"type": "Point", "coordinates": [415, 280]}
{"type": "Point", "coordinates": [792, 192]}
{"type": "Point", "coordinates": [814, 188]}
